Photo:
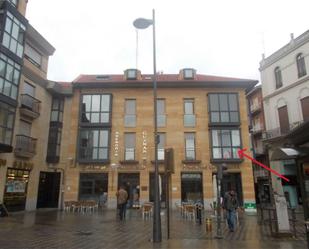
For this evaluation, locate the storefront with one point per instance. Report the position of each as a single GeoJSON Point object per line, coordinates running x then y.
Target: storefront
{"type": "Point", "coordinates": [93, 186]}
{"type": "Point", "coordinates": [15, 192]}
{"type": "Point", "coordinates": [191, 187]}
{"type": "Point", "coordinates": [131, 182]}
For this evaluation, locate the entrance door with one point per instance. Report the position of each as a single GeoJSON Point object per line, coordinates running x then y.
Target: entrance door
{"type": "Point", "coordinates": [192, 187]}
{"type": "Point", "coordinates": [131, 182]}
{"type": "Point", "coordinates": [48, 193]}
{"type": "Point", "coordinates": [232, 181]}
{"type": "Point", "coordinates": [284, 119]}
{"type": "Point", "coordinates": [92, 186]}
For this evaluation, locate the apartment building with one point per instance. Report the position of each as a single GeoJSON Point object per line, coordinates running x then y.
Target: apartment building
{"type": "Point", "coordinates": [110, 136]}
{"type": "Point", "coordinates": [257, 128]}
{"type": "Point", "coordinates": [285, 85]}
{"type": "Point", "coordinates": [27, 180]}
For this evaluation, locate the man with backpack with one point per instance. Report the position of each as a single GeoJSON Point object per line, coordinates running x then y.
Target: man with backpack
{"type": "Point", "coordinates": [230, 204]}
{"type": "Point", "coordinates": [122, 197]}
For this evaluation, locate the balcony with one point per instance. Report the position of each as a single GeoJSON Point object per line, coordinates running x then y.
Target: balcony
{"type": "Point", "coordinates": [29, 106]}
{"type": "Point", "coordinates": [257, 129]}
{"type": "Point", "coordinates": [25, 146]}
{"type": "Point", "coordinates": [191, 155]}
{"type": "Point", "coordinates": [278, 132]}
{"type": "Point", "coordinates": [255, 108]}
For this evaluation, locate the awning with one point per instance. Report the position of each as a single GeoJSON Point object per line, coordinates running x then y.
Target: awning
{"type": "Point", "coordinates": [289, 153]}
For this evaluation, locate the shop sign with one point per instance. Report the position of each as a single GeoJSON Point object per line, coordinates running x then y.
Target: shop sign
{"type": "Point", "coordinates": [116, 145]}
{"type": "Point", "coordinates": [2, 162]}
{"type": "Point", "coordinates": [144, 145]}
{"type": "Point", "coordinates": [250, 207]}
{"type": "Point", "coordinates": [23, 165]}
{"type": "Point", "coordinates": [95, 167]}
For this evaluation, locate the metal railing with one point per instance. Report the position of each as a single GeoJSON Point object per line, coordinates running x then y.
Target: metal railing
{"type": "Point", "coordinates": [25, 144]}
{"type": "Point", "coordinates": [278, 132]}
{"type": "Point", "coordinates": [30, 103]}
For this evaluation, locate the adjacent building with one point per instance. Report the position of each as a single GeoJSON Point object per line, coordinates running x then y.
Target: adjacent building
{"type": "Point", "coordinates": [257, 127]}
{"type": "Point", "coordinates": [285, 85]}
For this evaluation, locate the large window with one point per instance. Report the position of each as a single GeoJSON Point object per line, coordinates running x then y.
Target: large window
{"type": "Point", "coordinates": [225, 143]}
{"type": "Point", "coordinates": [32, 55]}
{"type": "Point", "coordinates": [130, 113]}
{"type": "Point", "coordinates": [54, 142]}
{"type": "Point", "coordinates": [96, 109]}
{"type": "Point", "coordinates": [57, 110]}
{"type": "Point", "coordinates": [14, 35]}
{"type": "Point", "coordinates": [9, 77]}
{"type": "Point", "coordinates": [223, 107]}
{"type": "Point", "coordinates": [129, 140]}
{"type": "Point", "coordinates": [189, 116]}
{"type": "Point", "coordinates": [7, 115]}
{"type": "Point", "coordinates": [301, 65]}
{"type": "Point", "coordinates": [190, 146]}
{"type": "Point", "coordinates": [278, 77]}
{"type": "Point", "coordinates": [94, 144]}
{"type": "Point", "coordinates": [161, 117]}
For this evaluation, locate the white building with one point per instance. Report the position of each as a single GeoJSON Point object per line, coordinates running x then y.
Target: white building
{"type": "Point", "coordinates": [285, 87]}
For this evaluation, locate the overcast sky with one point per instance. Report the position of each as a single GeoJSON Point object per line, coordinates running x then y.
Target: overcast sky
{"type": "Point", "coordinates": [218, 37]}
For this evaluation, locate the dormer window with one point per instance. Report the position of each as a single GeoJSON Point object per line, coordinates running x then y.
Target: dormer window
{"type": "Point", "coordinates": [131, 74]}
{"type": "Point", "coordinates": [188, 73]}
{"type": "Point", "coordinates": [102, 77]}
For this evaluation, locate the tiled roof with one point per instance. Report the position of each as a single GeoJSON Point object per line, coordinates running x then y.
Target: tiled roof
{"type": "Point", "coordinates": [86, 78]}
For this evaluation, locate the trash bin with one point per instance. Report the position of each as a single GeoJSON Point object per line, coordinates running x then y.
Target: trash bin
{"type": "Point", "coordinates": [208, 225]}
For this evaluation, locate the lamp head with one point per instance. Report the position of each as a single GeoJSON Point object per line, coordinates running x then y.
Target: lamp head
{"type": "Point", "coordinates": [142, 23]}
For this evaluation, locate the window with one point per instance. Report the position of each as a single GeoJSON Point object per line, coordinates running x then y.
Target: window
{"type": "Point", "coordinates": [7, 115]}
{"type": "Point", "coordinates": [161, 117]}
{"type": "Point", "coordinates": [225, 143]}
{"type": "Point", "coordinates": [24, 128]}
{"type": "Point", "coordinates": [188, 73]}
{"type": "Point", "coordinates": [190, 146]}
{"type": "Point", "coordinates": [94, 144]}
{"type": "Point", "coordinates": [223, 107]}
{"type": "Point", "coordinates": [189, 116]}
{"type": "Point", "coordinates": [29, 89]}
{"type": "Point", "coordinates": [161, 146]}
{"type": "Point", "coordinates": [54, 142]}
{"type": "Point", "coordinates": [129, 139]}
{"type": "Point", "coordinates": [96, 108]}
{"type": "Point", "coordinates": [57, 110]}
{"type": "Point", "coordinates": [9, 77]}
{"type": "Point", "coordinates": [278, 77]}
{"type": "Point", "coordinates": [14, 35]}
{"type": "Point", "coordinates": [305, 108]}
{"type": "Point", "coordinates": [130, 113]}
{"type": "Point", "coordinates": [283, 119]}
{"type": "Point", "coordinates": [32, 55]}
{"type": "Point", "coordinates": [131, 74]}
{"type": "Point", "coordinates": [301, 66]}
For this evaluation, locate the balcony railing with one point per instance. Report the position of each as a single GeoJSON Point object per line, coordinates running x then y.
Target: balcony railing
{"type": "Point", "coordinates": [30, 106]}
{"type": "Point", "coordinates": [255, 107]}
{"type": "Point", "coordinates": [25, 146]}
{"type": "Point", "coordinates": [278, 132]}
{"type": "Point", "coordinates": [257, 128]}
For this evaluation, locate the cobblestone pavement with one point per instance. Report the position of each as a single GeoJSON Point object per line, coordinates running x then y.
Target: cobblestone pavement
{"type": "Point", "coordinates": [55, 229]}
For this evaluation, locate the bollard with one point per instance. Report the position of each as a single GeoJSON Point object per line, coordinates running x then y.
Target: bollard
{"type": "Point", "coordinates": [208, 225]}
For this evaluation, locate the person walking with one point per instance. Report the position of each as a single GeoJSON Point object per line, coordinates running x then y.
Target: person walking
{"type": "Point", "coordinates": [230, 204]}
{"type": "Point", "coordinates": [122, 197]}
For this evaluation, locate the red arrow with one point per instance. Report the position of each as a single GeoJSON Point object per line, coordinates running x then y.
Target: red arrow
{"type": "Point", "coordinates": [241, 154]}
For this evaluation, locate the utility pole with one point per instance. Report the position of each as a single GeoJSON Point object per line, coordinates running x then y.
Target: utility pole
{"type": "Point", "coordinates": [220, 168]}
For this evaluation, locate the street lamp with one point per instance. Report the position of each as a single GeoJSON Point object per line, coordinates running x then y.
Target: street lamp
{"type": "Point", "coordinates": [142, 23]}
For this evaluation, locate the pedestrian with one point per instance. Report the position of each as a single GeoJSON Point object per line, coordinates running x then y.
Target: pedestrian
{"type": "Point", "coordinates": [122, 197]}
{"type": "Point", "coordinates": [230, 204]}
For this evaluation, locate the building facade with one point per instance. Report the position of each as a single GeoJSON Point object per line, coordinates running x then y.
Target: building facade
{"type": "Point", "coordinates": [109, 136]}
{"type": "Point", "coordinates": [285, 84]}
{"type": "Point", "coordinates": [27, 180]}
{"type": "Point", "coordinates": [257, 127]}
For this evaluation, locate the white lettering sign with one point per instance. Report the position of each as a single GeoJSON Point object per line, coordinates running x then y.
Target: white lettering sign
{"type": "Point", "coordinates": [116, 146]}
{"type": "Point", "coordinates": [144, 144]}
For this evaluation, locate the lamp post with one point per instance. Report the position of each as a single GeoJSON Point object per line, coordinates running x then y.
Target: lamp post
{"type": "Point", "coordinates": [142, 23]}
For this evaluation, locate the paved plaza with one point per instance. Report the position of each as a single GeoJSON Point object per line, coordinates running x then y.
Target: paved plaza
{"type": "Point", "coordinates": [55, 229]}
